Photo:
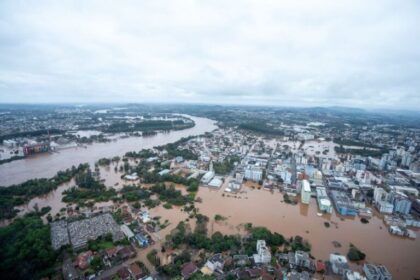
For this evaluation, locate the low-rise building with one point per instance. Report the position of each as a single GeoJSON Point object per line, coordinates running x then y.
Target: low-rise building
{"type": "Point", "coordinates": [376, 272]}
{"type": "Point", "coordinates": [324, 203]}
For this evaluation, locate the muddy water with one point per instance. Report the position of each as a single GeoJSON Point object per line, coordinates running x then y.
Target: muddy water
{"type": "Point", "coordinates": [263, 208]}
{"type": "Point", "coordinates": [47, 165]}
{"type": "Point", "coordinates": [52, 199]}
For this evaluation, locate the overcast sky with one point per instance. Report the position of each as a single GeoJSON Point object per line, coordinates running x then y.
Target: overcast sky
{"type": "Point", "coordinates": [286, 53]}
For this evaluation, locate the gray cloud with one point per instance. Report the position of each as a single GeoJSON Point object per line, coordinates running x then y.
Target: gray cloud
{"type": "Point", "coordinates": [299, 53]}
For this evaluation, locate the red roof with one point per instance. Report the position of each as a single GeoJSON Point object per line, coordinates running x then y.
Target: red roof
{"type": "Point", "coordinates": [111, 251]}
{"type": "Point", "coordinates": [320, 266]}
{"type": "Point", "coordinates": [135, 270]}
{"type": "Point", "coordinates": [188, 269]}
{"type": "Point", "coordinates": [82, 260]}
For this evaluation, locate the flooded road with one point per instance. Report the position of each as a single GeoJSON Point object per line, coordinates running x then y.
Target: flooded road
{"type": "Point", "coordinates": [47, 165]}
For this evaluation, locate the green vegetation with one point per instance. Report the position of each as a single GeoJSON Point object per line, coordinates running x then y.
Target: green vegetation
{"type": "Point", "coordinates": [89, 189]}
{"type": "Point", "coordinates": [167, 206]}
{"type": "Point", "coordinates": [218, 218]}
{"type": "Point", "coordinates": [362, 152]}
{"type": "Point", "coordinates": [198, 239]}
{"type": "Point", "coordinates": [104, 161]}
{"type": "Point", "coordinates": [81, 196]}
{"type": "Point", "coordinates": [153, 257]}
{"type": "Point", "coordinates": [192, 184]}
{"type": "Point", "coordinates": [260, 127]}
{"type": "Point", "coordinates": [288, 200]}
{"type": "Point", "coordinates": [151, 203]}
{"type": "Point", "coordinates": [226, 165]}
{"type": "Point", "coordinates": [134, 193]}
{"type": "Point", "coordinates": [30, 133]}
{"type": "Point", "coordinates": [170, 194]}
{"type": "Point", "coordinates": [26, 251]}
{"type": "Point", "coordinates": [44, 210]}
{"type": "Point", "coordinates": [354, 254]}
{"type": "Point", "coordinates": [363, 220]}
{"type": "Point", "coordinates": [101, 243]}
{"type": "Point", "coordinates": [148, 125]}
{"type": "Point", "coordinates": [273, 240]}
{"type": "Point", "coordinates": [172, 270]}
{"type": "Point", "coordinates": [297, 243]}
{"type": "Point", "coordinates": [349, 142]}
{"type": "Point", "coordinates": [7, 160]}
{"type": "Point", "coordinates": [174, 151]}
{"type": "Point", "coordinates": [145, 153]}
{"type": "Point", "coordinates": [21, 193]}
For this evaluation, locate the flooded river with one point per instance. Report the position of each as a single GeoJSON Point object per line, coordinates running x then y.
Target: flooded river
{"type": "Point", "coordinates": [259, 207]}
{"type": "Point", "coordinates": [47, 165]}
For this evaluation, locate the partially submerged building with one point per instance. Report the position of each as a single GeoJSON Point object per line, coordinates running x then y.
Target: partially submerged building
{"type": "Point", "coordinates": [263, 254]}
{"type": "Point", "coordinates": [324, 202]}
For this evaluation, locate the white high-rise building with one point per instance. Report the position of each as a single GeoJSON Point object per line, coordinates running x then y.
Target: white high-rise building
{"type": "Point", "coordinates": [263, 254]}
{"type": "Point", "coordinates": [253, 173]}
{"type": "Point", "coordinates": [305, 193]}
{"type": "Point", "coordinates": [379, 194]}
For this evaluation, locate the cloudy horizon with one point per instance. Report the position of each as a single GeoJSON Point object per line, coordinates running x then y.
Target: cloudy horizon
{"type": "Point", "coordinates": [282, 53]}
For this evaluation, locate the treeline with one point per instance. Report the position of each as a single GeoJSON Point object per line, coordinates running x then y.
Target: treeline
{"type": "Point", "coordinates": [171, 195]}
{"type": "Point", "coordinates": [261, 128]}
{"type": "Point", "coordinates": [146, 126]}
{"type": "Point", "coordinates": [183, 236]}
{"type": "Point", "coordinates": [226, 165]}
{"type": "Point", "coordinates": [174, 151]}
{"type": "Point", "coordinates": [361, 152]}
{"type": "Point", "coordinates": [31, 133]}
{"type": "Point", "coordinates": [21, 193]}
{"type": "Point", "coordinates": [349, 142]}
{"type": "Point", "coordinates": [192, 184]}
{"type": "Point", "coordinates": [88, 189]}
{"type": "Point", "coordinates": [26, 251]}
{"type": "Point", "coordinates": [7, 160]}
{"type": "Point", "coordinates": [145, 153]}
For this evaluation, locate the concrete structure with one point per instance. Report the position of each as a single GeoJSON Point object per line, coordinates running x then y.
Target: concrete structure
{"type": "Point", "coordinates": [401, 203]}
{"type": "Point", "coordinates": [253, 173]}
{"type": "Point", "coordinates": [376, 272]}
{"type": "Point", "coordinates": [385, 207]}
{"type": "Point", "coordinates": [127, 231]}
{"type": "Point", "coordinates": [305, 193]}
{"type": "Point", "coordinates": [215, 263]}
{"type": "Point", "coordinates": [324, 203]}
{"type": "Point", "coordinates": [207, 177]}
{"type": "Point", "coordinates": [343, 203]}
{"type": "Point", "coordinates": [300, 260]}
{"type": "Point", "coordinates": [263, 255]}
{"type": "Point", "coordinates": [164, 172]}
{"type": "Point", "coordinates": [131, 177]}
{"type": "Point", "coordinates": [379, 194]}
{"type": "Point", "coordinates": [339, 264]}
{"type": "Point", "coordinates": [353, 275]}
{"type": "Point", "coordinates": [216, 182]}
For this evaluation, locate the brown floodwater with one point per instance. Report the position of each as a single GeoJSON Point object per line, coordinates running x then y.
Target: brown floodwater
{"type": "Point", "coordinates": [263, 208]}
{"type": "Point", "coordinates": [259, 207]}
{"type": "Point", "coordinates": [46, 165]}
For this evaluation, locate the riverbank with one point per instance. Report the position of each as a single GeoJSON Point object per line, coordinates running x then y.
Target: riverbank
{"type": "Point", "coordinates": [46, 165]}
